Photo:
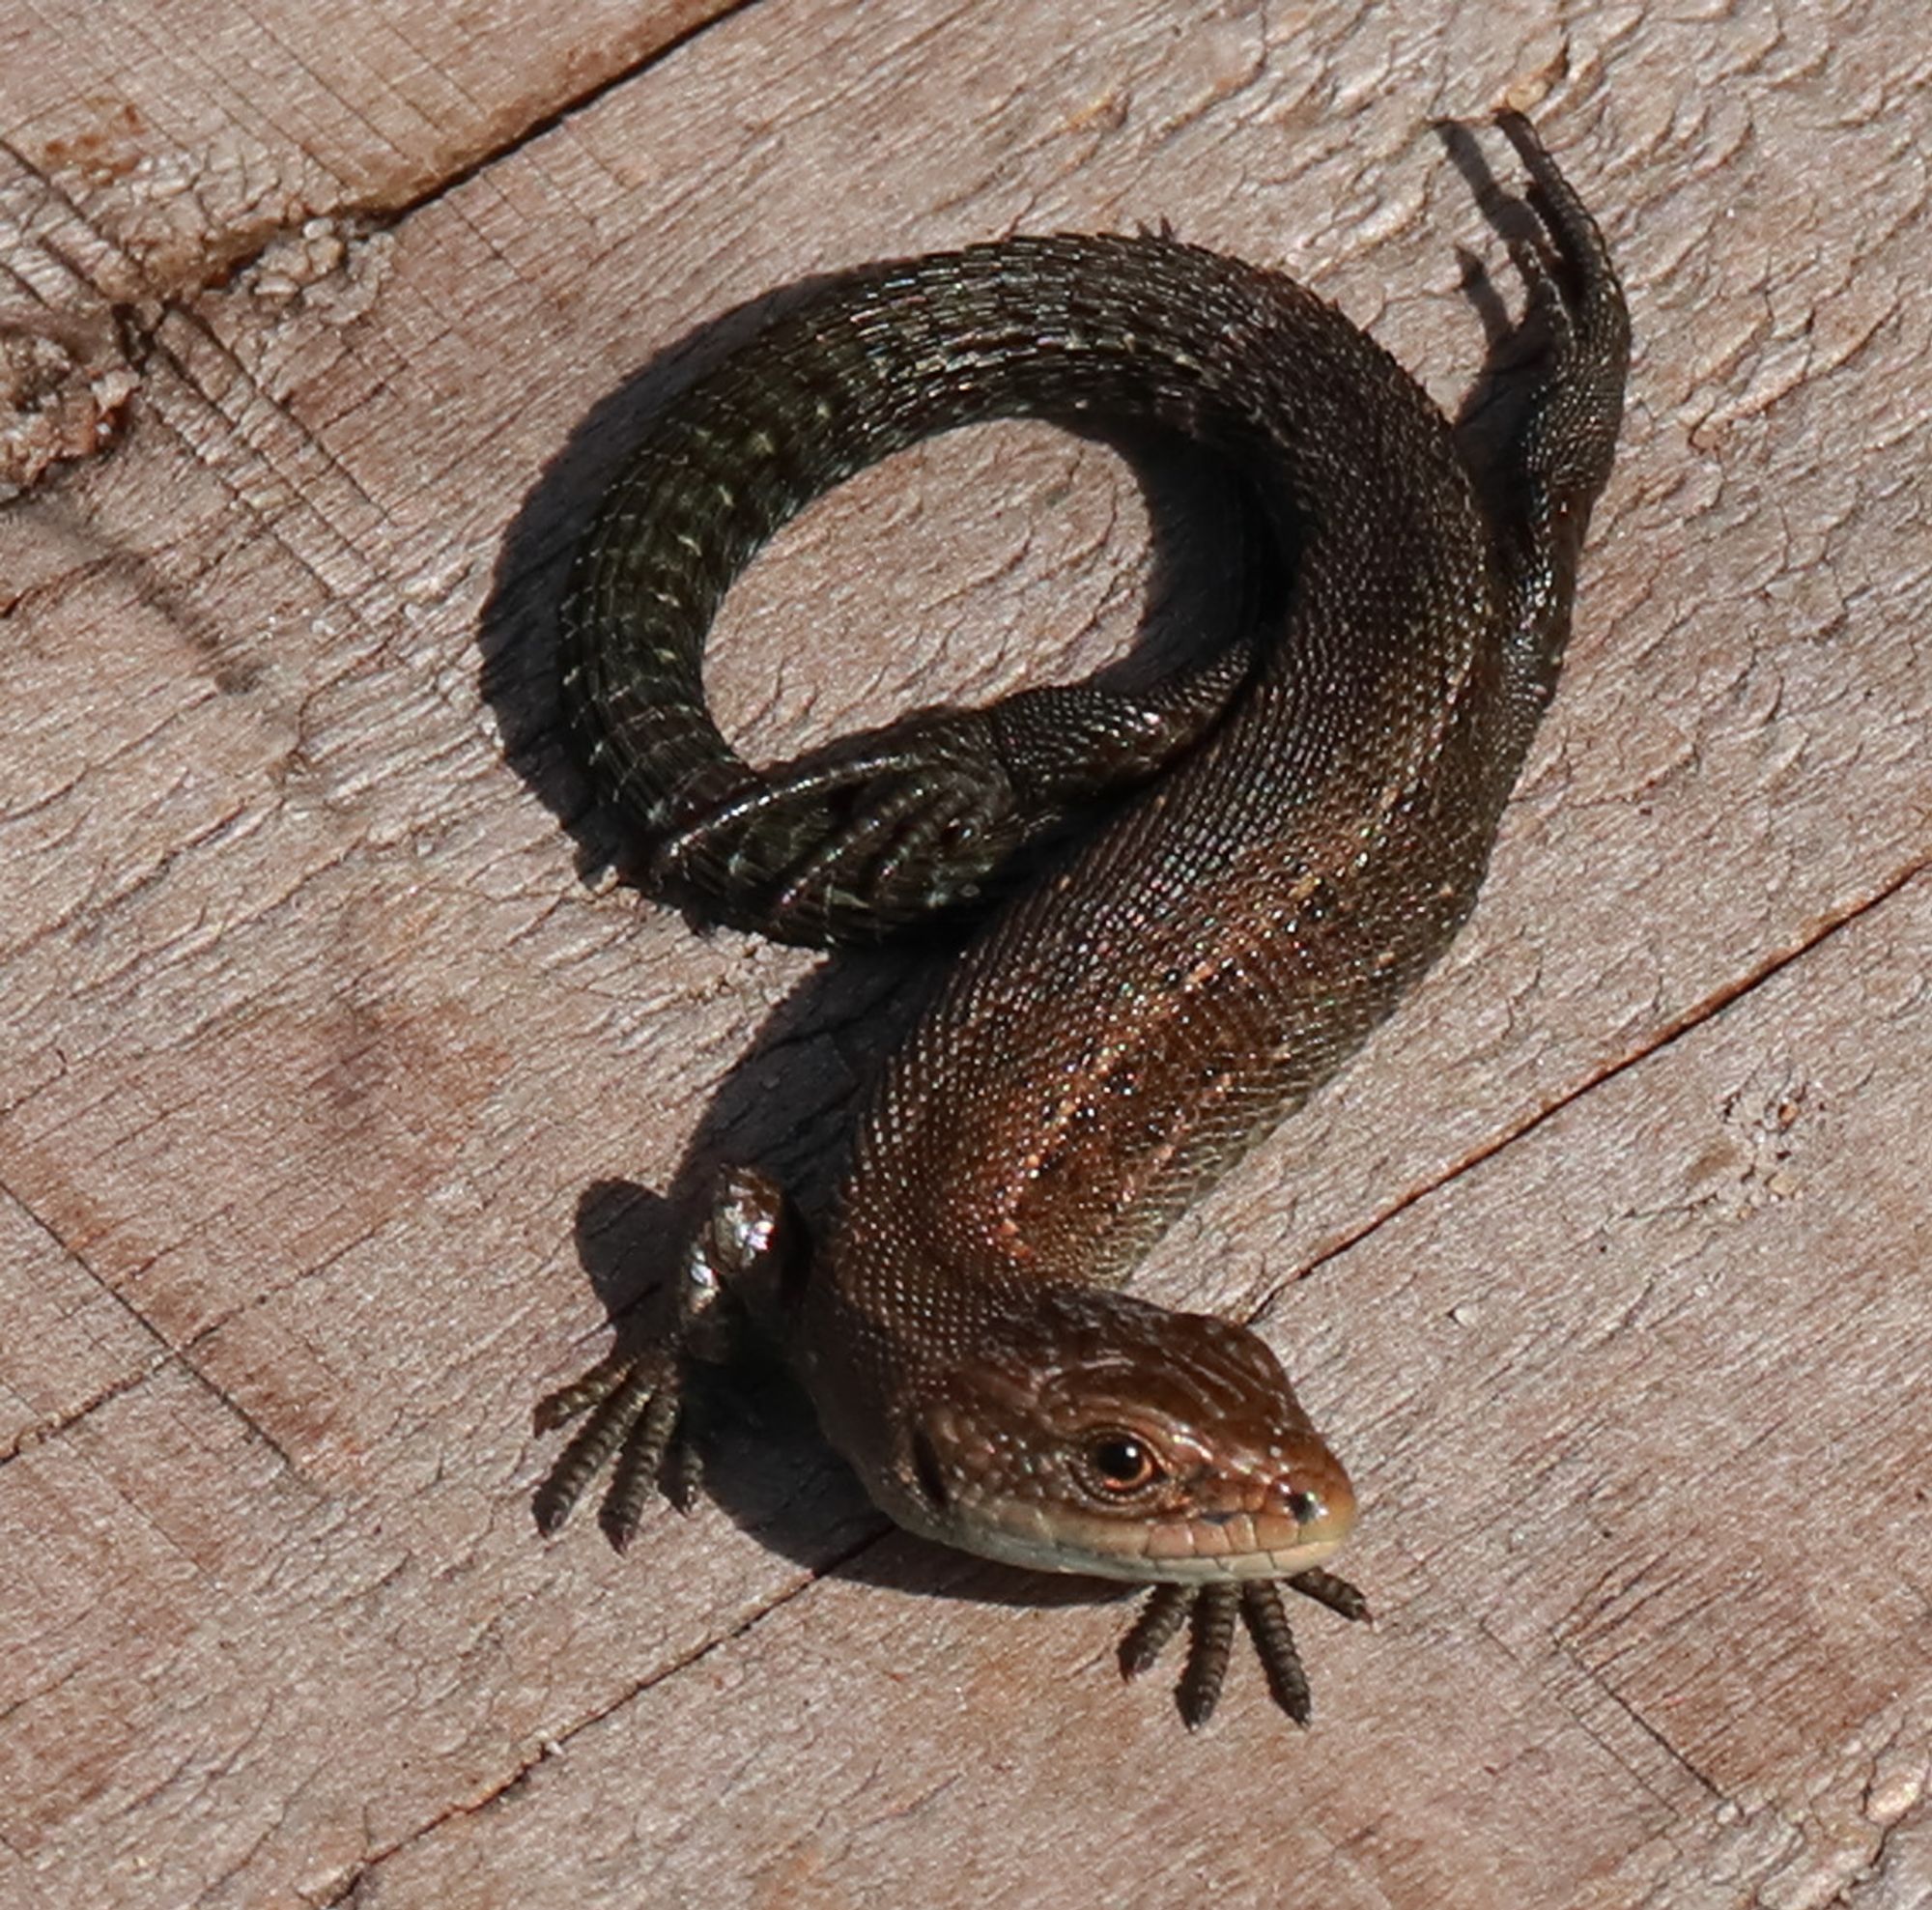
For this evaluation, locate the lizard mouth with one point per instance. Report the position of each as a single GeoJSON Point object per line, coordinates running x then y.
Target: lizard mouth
{"type": "Point", "coordinates": [1290, 1530]}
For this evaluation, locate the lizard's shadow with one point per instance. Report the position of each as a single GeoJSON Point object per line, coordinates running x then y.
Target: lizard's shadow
{"type": "Point", "coordinates": [788, 1106]}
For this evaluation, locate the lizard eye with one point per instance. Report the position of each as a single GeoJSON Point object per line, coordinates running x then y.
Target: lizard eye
{"type": "Point", "coordinates": [1119, 1464]}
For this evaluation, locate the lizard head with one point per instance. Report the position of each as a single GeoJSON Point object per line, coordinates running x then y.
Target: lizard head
{"type": "Point", "coordinates": [1094, 1431]}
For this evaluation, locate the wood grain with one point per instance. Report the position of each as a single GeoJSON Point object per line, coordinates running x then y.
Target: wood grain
{"type": "Point", "coordinates": [1606, 1267]}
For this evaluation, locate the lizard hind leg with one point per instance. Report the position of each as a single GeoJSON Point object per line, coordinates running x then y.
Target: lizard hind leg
{"type": "Point", "coordinates": [1541, 485]}
{"type": "Point", "coordinates": [867, 837]}
{"type": "Point", "coordinates": [635, 1397]}
{"type": "Point", "coordinates": [1571, 429]}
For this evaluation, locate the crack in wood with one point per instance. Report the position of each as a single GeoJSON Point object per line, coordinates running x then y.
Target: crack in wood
{"type": "Point", "coordinates": [1706, 1010]}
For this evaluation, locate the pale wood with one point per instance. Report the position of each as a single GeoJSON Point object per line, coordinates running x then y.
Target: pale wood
{"type": "Point", "coordinates": [310, 1040]}
{"type": "Point", "coordinates": [1649, 1543]}
{"type": "Point", "coordinates": [191, 134]}
{"type": "Point", "coordinates": [151, 151]}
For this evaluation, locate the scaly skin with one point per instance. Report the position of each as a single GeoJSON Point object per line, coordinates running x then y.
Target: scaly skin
{"type": "Point", "coordinates": [1311, 815]}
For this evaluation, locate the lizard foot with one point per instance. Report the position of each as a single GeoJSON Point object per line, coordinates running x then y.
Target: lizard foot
{"type": "Point", "coordinates": [635, 1397]}
{"type": "Point", "coordinates": [1213, 1610]}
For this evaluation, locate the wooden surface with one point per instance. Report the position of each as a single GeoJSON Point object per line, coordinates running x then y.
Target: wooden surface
{"type": "Point", "coordinates": [1605, 1268]}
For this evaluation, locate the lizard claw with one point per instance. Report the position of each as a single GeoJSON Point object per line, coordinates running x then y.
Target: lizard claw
{"type": "Point", "coordinates": [635, 1405]}
{"type": "Point", "coordinates": [852, 847]}
{"type": "Point", "coordinates": [1212, 1610]}
{"type": "Point", "coordinates": [635, 1396]}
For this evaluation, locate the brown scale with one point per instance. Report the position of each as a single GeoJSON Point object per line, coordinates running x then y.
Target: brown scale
{"type": "Point", "coordinates": [1301, 822]}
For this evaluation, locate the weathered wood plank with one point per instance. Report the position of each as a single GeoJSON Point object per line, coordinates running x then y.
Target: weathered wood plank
{"type": "Point", "coordinates": [70, 1341]}
{"type": "Point", "coordinates": [149, 151]}
{"type": "Point", "coordinates": [1643, 1408]}
{"type": "Point", "coordinates": [309, 1041]}
{"type": "Point", "coordinates": [190, 134]}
